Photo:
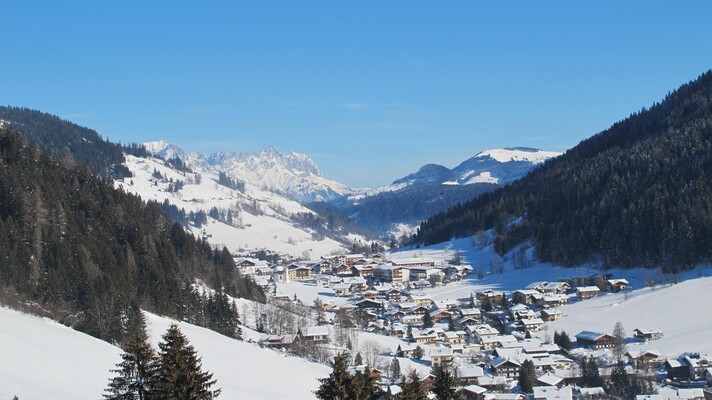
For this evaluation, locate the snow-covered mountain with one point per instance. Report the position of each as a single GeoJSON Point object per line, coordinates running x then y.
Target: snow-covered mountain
{"type": "Point", "coordinates": [293, 174]}
{"type": "Point", "coordinates": [241, 220]}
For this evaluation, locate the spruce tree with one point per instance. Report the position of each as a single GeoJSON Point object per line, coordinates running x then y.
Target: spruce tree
{"type": "Point", "coordinates": [411, 388]}
{"type": "Point", "coordinates": [180, 374]}
{"type": "Point", "coordinates": [395, 368]}
{"type": "Point", "coordinates": [620, 386]}
{"type": "Point", "coordinates": [418, 352]}
{"type": "Point", "coordinates": [564, 341]}
{"type": "Point", "coordinates": [358, 360]}
{"type": "Point", "coordinates": [137, 373]}
{"type": "Point", "coordinates": [427, 320]}
{"type": "Point", "coordinates": [337, 385]}
{"type": "Point", "coordinates": [527, 376]}
{"type": "Point", "coordinates": [444, 385]}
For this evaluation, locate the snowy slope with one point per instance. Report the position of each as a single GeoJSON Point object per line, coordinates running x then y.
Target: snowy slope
{"type": "Point", "coordinates": [292, 174]}
{"type": "Point", "coordinates": [45, 360]}
{"type": "Point", "coordinates": [261, 219]}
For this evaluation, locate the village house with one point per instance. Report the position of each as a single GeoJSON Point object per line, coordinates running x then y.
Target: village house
{"type": "Point", "coordinates": [647, 334]}
{"type": "Point", "coordinates": [440, 356]}
{"type": "Point", "coordinates": [493, 342]}
{"type": "Point", "coordinates": [313, 335]}
{"type": "Point", "coordinates": [405, 350]}
{"type": "Point", "coordinates": [478, 332]}
{"type": "Point", "coordinates": [390, 273]}
{"type": "Point", "coordinates": [472, 392]}
{"type": "Point", "coordinates": [421, 300]}
{"type": "Point", "coordinates": [469, 374]}
{"type": "Point", "coordinates": [343, 290]}
{"type": "Point", "coordinates": [616, 285]}
{"type": "Point", "coordinates": [556, 287]}
{"type": "Point", "coordinates": [553, 300]}
{"type": "Point", "coordinates": [299, 272]}
{"type": "Point", "coordinates": [698, 363]}
{"type": "Point", "coordinates": [587, 292]}
{"type": "Point", "coordinates": [644, 359]}
{"type": "Point", "coordinates": [251, 266]}
{"type": "Point", "coordinates": [440, 315]}
{"type": "Point", "coordinates": [413, 262]}
{"type": "Point", "coordinates": [530, 324]}
{"type": "Point", "coordinates": [552, 392]}
{"type": "Point", "coordinates": [277, 341]}
{"type": "Point", "coordinates": [506, 367]}
{"type": "Point", "coordinates": [424, 338]}
{"type": "Point", "coordinates": [677, 369]}
{"type": "Point", "coordinates": [550, 379]}
{"type": "Point", "coordinates": [550, 314]}
{"type": "Point", "coordinates": [526, 296]}
{"type": "Point", "coordinates": [595, 340]}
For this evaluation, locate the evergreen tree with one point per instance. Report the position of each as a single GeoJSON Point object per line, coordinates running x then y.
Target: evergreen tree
{"type": "Point", "coordinates": [527, 376]}
{"type": "Point", "coordinates": [564, 341]}
{"type": "Point", "coordinates": [590, 374]}
{"type": "Point", "coordinates": [358, 360]}
{"type": "Point", "coordinates": [427, 320]}
{"type": "Point", "coordinates": [395, 369]}
{"type": "Point", "coordinates": [180, 374]}
{"type": "Point", "coordinates": [363, 386]}
{"type": "Point", "coordinates": [444, 385]}
{"type": "Point", "coordinates": [411, 388]}
{"type": "Point", "coordinates": [338, 384]}
{"type": "Point", "coordinates": [418, 352]}
{"type": "Point", "coordinates": [620, 386]}
{"type": "Point", "coordinates": [137, 373]}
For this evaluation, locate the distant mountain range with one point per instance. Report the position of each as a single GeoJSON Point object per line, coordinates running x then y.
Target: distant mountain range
{"type": "Point", "coordinates": [292, 174]}
{"type": "Point", "coordinates": [397, 208]}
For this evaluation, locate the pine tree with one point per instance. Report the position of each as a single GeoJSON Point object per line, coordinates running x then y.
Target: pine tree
{"type": "Point", "coordinates": [337, 385]}
{"type": "Point", "coordinates": [180, 374]}
{"type": "Point", "coordinates": [444, 385]}
{"type": "Point", "coordinates": [527, 376]}
{"type": "Point", "coordinates": [411, 388]}
{"type": "Point", "coordinates": [358, 360]}
{"type": "Point", "coordinates": [620, 385]}
{"type": "Point", "coordinates": [564, 341]}
{"type": "Point", "coordinates": [137, 373]}
{"type": "Point", "coordinates": [427, 320]}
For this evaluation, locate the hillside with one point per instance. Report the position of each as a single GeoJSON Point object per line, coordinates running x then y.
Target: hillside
{"type": "Point", "coordinates": [61, 138]}
{"type": "Point", "coordinates": [81, 251]}
{"type": "Point", "coordinates": [77, 366]}
{"type": "Point", "coordinates": [636, 194]}
{"type": "Point", "coordinates": [242, 218]}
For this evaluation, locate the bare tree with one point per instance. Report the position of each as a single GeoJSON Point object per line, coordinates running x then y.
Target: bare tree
{"type": "Point", "coordinates": [619, 347]}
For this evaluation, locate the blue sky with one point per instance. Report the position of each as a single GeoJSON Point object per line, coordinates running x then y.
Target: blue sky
{"type": "Point", "coordinates": [370, 90]}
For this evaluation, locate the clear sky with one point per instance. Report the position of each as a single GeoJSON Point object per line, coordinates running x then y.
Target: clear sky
{"type": "Point", "coordinates": [371, 90]}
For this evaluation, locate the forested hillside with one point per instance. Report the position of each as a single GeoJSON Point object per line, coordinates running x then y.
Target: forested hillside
{"type": "Point", "coordinates": [637, 194]}
{"type": "Point", "coordinates": [77, 249]}
{"type": "Point", "coordinates": [58, 137]}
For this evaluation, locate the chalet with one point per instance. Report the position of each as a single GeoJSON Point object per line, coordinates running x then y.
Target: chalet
{"type": "Point", "coordinates": [394, 314]}
{"type": "Point", "coordinates": [553, 300]}
{"type": "Point", "coordinates": [552, 392]}
{"type": "Point", "coordinates": [478, 332]}
{"type": "Point", "coordinates": [440, 356]}
{"type": "Point", "coordinates": [277, 341]}
{"type": "Point", "coordinates": [251, 266]}
{"type": "Point", "coordinates": [526, 296]}
{"type": "Point", "coordinates": [530, 324]}
{"type": "Point", "coordinates": [469, 375]}
{"type": "Point", "coordinates": [370, 305]}
{"type": "Point", "coordinates": [644, 359]}
{"type": "Point", "coordinates": [647, 334]}
{"type": "Point", "coordinates": [440, 315]}
{"type": "Point", "coordinates": [424, 338]}
{"type": "Point", "coordinates": [405, 350]}
{"type": "Point", "coordinates": [587, 292]}
{"type": "Point", "coordinates": [473, 313]}
{"type": "Point", "coordinates": [417, 310]}
{"type": "Point", "coordinates": [598, 280]}
{"type": "Point", "coordinates": [299, 273]}
{"type": "Point", "coordinates": [362, 270]}
{"type": "Point", "coordinates": [550, 314]}
{"type": "Point", "coordinates": [423, 273]}
{"type": "Point", "coordinates": [341, 269]}
{"type": "Point", "coordinates": [421, 300]}
{"type": "Point", "coordinates": [596, 392]}
{"type": "Point", "coordinates": [394, 295]}
{"type": "Point", "coordinates": [521, 311]}
{"type": "Point", "coordinates": [313, 334]}
{"type": "Point", "coordinates": [321, 267]}
{"type": "Point", "coordinates": [391, 273]}
{"type": "Point", "coordinates": [472, 392]}
{"type": "Point", "coordinates": [498, 383]}
{"type": "Point", "coordinates": [463, 322]}
{"type": "Point", "coordinates": [556, 287]}
{"type": "Point", "coordinates": [343, 290]}
{"type": "Point", "coordinates": [616, 285]}
{"type": "Point", "coordinates": [506, 367]}
{"type": "Point", "coordinates": [413, 262]}
{"type": "Point", "coordinates": [493, 342]}
{"type": "Point", "coordinates": [550, 379]}
{"type": "Point", "coordinates": [449, 304]}
{"type": "Point", "coordinates": [490, 295]}
{"type": "Point", "coordinates": [595, 340]}
{"type": "Point", "coordinates": [698, 364]}
{"type": "Point", "coordinates": [370, 294]}
{"type": "Point", "coordinates": [677, 369]}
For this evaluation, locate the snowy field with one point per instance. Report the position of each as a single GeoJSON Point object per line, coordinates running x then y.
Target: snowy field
{"type": "Point", "coordinates": [46, 360]}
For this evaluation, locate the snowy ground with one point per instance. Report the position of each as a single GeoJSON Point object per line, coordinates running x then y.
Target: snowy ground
{"type": "Point", "coordinates": [45, 360]}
